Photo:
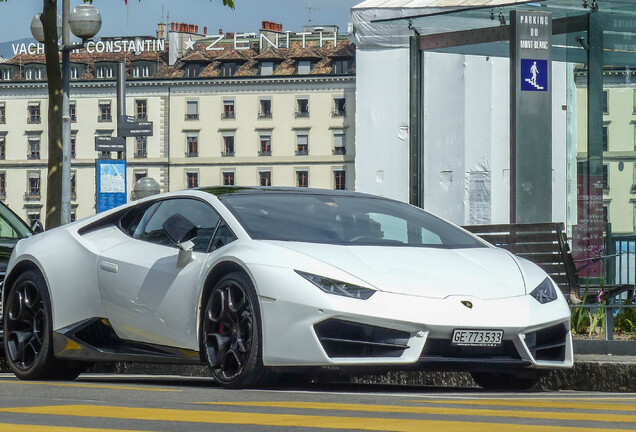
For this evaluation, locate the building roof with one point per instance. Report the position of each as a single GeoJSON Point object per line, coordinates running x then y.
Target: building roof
{"type": "Point", "coordinates": [249, 54]}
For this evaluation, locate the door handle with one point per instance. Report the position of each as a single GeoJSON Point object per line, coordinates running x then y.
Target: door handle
{"type": "Point", "coordinates": [108, 266]}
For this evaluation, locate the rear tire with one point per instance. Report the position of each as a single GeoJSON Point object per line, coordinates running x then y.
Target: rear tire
{"type": "Point", "coordinates": [504, 381]}
{"type": "Point", "coordinates": [28, 338]}
{"type": "Point", "coordinates": [231, 333]}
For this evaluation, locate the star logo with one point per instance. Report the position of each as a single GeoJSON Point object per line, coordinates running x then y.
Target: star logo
{"type": "Point", "coordinates": [189, 44]}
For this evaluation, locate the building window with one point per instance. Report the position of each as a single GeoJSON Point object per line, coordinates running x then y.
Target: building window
{"type": "Point", "coordinates": [72, 112]}
{"type": "Point", "coordinates": [33, 184]}
{"type": "Point", "coordinates": [605, 177]}
{"type": "Point", "coordinates": [141, 71]}
{"type": "Point", "coordinates": [228, 178]}
{"type": "Point", "coordinates": [104, 155]}
{"type": "Point", "coordinates": [6, 74]}
{"type": "Point", "coordinates": [139, 174]}
{"type": "Point", "coordinates": [228, 109]}
{"type": "Point", "coordinates": [141, 147]}
{"type": "Point", "coordinates": [302, 178]}
{"type": "Point", "coordinates": [192, 142]}
{"type": "Point", "coordinates": [104, 112]}
{"type": "Point", "coordinates": [194, 69]}
{"type": "Point", "coordinates": [605, 102]}
{"type": "Point", "coordinates": [265, 145]}
{"type": "Point", "coordinates": [606, 212]}
{"type": "Point", "coordinates": [3, 185]}
{"type": "Point", "coordinates": [265, 178]}
{"type": "Point", "coordinates": [73, 141]}
{"type": "Point", "coordinates": [302, 144]}
{"type": "Point", "coordinates": [229, 69]}
{"type": "Point", "coordinates": [141, 109]}
{"type": "Point", "coordinates": [3, 113]}
{"type": "Point", "coordinates": [33, 74]}
{"type": "Point", "coordinates": [339, 180]}
{"type": "Point", "coordinates": [267, 68]}
{"type": "Point", "coordinates": [74, 72]}
{"type": "Point", "coordinates": [339, 143]}
{"type": "Point", "coordinates": [228, 145]}
{"type": "Point", "coordinates": [104, 72]}
{"type": "Point", "coordinates": [341, 66]}
{"type": "Point", "coordinates": [34, 112]}
{"type": "Point", "coordinates": [304, 67]}
{"type": "Point", "coordinates": [302, 107]}
{"type": "Point", "coordinates": [192, 110]}
{"type": "Point", "coordinates": [33, 151]}
{"type": "Point", "coordinates": [339, 107]}
{"type": "Point", "coordinates": [265, 108]}
{"type": "Point", "coordinates": [73, 184]}
{"type": "Point", "coordinates": [605, 136]}
{"type": "Point", "coordinates": [192, 179]}
{"type": "Point", "coordinates": [3, 148]}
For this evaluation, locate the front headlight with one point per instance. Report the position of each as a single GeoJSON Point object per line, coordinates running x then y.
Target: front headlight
{"type": "Point", "coordinates": [336, 287]}
{"type": "Point", "coordinates": [545, 292]}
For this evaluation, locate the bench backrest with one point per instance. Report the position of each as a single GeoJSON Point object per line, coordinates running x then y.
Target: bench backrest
{"type": "Point", "coordinates": [544, 244]}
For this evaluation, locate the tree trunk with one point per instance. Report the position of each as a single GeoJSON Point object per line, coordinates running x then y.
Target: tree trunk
{"type": "Point", "coordinates": [54, 77]}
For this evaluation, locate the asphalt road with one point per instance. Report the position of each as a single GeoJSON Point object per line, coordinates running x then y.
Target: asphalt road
{"type": "Point", "coordinates": [150, 403]}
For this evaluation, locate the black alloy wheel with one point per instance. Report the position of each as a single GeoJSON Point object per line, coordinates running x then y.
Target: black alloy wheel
{"type": "Point", "coordinates": [27, 332]}
{"type": "Point", "coordinates": [232, 333]}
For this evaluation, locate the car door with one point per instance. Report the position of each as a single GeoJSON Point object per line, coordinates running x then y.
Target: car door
{"type": "Point", "coordinates": [147, 296]}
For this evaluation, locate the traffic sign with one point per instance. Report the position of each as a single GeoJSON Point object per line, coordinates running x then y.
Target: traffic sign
{"type": "Point", "coordinates": [110, 143]}
{"type": "Point", "coordinates": [128, 127]}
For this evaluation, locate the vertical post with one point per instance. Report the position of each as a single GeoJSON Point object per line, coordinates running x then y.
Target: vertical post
{"type": "Point", "coordinates": [530, 116]}
{"type": "Point", "coordinates": [121, 99]}
{"type": "Point", "coordinates": [416, 157]}
{"type": "Point", "coordinates": [65, 209]}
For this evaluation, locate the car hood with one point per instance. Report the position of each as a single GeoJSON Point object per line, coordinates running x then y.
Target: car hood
{"type": "Point", "coordinates": [485, 273]}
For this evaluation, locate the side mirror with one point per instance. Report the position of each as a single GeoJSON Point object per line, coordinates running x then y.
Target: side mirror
{"type": "Point", "coordinates": [181, 231]}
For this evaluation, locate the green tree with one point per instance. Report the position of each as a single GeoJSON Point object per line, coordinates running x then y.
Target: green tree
{"type": "Point", "coordinates": [54, 78]}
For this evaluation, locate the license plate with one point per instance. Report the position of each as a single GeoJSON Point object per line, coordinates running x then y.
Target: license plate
{"type": "Point", "coordinates": [485, 338]}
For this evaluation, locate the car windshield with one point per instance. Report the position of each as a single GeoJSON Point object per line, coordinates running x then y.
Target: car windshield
{"type": "Point", "coordinates": [340, 219]}
{"type": "Point", "coordinates": [12, 227]}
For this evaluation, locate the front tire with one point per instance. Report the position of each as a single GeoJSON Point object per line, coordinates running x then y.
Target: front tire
{"type": "Point", "coordinates": [231, 333]}
{"type": "Point", "coordinates": [504, 381]}
{"type": "Point", "coordinates": [27, 325]}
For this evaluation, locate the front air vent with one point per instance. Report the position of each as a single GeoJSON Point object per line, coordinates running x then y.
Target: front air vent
{"type": "Point", "coordinates": [548, 344]}
{"type": "Point", "coordinates": [341, 338]}
{"type": "Point", "coordinates": [443, 349]}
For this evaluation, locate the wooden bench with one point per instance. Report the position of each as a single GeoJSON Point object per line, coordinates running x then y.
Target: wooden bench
{"type": "Point", "coordinates": [545, 244]}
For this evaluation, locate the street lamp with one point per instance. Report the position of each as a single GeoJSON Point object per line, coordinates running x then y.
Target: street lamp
{"type": "Point", "coordinates": [85, 21]}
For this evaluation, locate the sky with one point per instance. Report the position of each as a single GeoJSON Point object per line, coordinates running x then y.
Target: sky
{"type": "Point", "coordinates": [140, 18]}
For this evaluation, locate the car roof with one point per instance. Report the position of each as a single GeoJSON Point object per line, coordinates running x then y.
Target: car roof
{"type": "Point", "coordinates": [220, 191]}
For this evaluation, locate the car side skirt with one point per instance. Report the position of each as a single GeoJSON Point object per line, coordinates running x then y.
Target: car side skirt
{"type": "Point", "coordinates": [95, 340]}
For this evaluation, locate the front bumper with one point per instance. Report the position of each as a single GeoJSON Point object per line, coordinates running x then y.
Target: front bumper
{"type": "Point", "coordinates": [306, 327]}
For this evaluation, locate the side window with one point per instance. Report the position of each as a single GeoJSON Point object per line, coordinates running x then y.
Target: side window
{"type": "Point", "coordinates": [222, 236]}
{"type": "Point", "coordinates": [199, 213]}
{"type": "Point", "coordinates": [131, 220]}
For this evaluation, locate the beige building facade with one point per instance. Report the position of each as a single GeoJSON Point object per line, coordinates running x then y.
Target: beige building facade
{"type": "Point", "coordinates": [284, 120]}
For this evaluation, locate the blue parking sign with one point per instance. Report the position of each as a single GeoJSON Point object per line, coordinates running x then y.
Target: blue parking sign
{"type": "Point", "coordinates": [534, 75]}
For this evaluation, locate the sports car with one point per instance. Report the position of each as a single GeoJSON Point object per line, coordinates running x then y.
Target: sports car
{"type": "Point", "coordinates": [261, 281]}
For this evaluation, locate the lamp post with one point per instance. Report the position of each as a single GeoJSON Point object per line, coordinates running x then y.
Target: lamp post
{"type": "Point", "coordinates": [85, 21]}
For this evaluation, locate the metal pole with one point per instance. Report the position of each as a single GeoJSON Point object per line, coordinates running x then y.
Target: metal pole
{"type": "Point", "coordinates": [121, 99]}
{"type": "Point", "coordinates": [65, 210]}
